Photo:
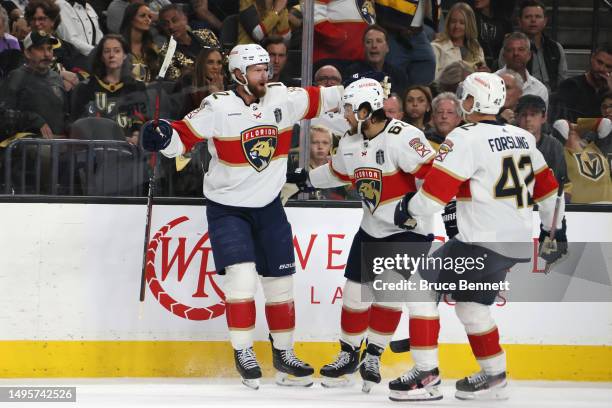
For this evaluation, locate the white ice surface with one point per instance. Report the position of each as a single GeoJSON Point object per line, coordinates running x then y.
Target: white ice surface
{"type": "Point", "coordinates": [207, 393]}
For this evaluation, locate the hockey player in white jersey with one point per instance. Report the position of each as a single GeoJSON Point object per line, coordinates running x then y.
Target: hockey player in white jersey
{"type": "Point", "coordinates": [382, 158]}
{"type": "Point", "coordinates": [249, 135]}
{"type": "Point", "coordinates": [497, 174]}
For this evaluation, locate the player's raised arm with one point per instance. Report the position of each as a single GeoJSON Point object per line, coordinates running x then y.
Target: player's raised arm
{"type": "Point", "coordinates": [175, 138]}
{"type": "Point", "coordinates": [312, 101]}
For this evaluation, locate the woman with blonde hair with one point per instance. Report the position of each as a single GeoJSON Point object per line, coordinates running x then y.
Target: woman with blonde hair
{"type": "Point", "coordinates": [459, 41]}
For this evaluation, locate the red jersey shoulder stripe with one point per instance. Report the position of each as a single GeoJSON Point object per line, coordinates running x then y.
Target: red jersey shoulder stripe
{"type": "Point", "coordinates": [314, 102]}
{"type": "Point", "coordinates": [545, 184]}
{"type": "Point", "coordinates": [189, 136]}
{"type": "Point", "coordinates": [441, 185]}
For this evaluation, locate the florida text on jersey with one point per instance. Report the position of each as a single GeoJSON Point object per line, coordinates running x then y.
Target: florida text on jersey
{"type": "Point", "coordinates": [249, 144]}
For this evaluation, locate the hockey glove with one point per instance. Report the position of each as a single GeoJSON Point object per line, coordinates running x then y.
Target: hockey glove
{"type": "Point", "coordinates": [299, 177]}
{"type": "Point", "coordinates": [553, 250]}
{"type": "Point", "coordinates": [402, 217]}
{"type": "Point", "coordinates": [156, 138]}
{"type": "Point", "coordinates": [449, 216]}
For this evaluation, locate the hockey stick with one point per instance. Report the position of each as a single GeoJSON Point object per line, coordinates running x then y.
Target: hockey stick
{"type": "Point", "coordinates": [153, 163]}
{"type": "Point", "coordinates": [553, 227]}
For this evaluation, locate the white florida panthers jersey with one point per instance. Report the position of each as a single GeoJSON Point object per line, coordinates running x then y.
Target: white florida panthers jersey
{"type": "Point", "coordinates": [497, 174]}
{"type": "Point", "coordinates": [382, 170]}
{"type": "Point", "coordinates": [249, 144]}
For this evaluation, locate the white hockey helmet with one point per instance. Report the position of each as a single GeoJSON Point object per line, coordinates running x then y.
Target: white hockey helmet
{"type": "Point", "coordinates": [364, 90]}
{"type": "Point", "coordinates": [243, 56]}
{"type": "Point", "coordinates": [488, 91]}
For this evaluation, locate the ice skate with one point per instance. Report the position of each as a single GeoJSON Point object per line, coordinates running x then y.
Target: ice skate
{"type": "Point", "coordinates": [416, 385]}
{"type": "Point", "coordinates": [369, 367]}
{"type": "Point", "coordinates": [482, 386]}
{"type": "Point", "coordinates": [248, 368]}
{"type": "Point", "coordinates": [291, 371]}
{"type": "Point", "coordinates": [338, 373]}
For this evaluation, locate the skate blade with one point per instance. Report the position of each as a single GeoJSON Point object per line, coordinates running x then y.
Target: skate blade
{"type": "Point", "coordinates": [252, 383]}
{"type": "Point", "coordinates": [367, 386]}
{"type": "Point", "coordinates": [339, 382]}
{"type": "Point", "coordinates": [492, 394]}
{"type": "Point", "coordinates": [421, 394]}
{"type": "Point", "coordinates": [286, 380]}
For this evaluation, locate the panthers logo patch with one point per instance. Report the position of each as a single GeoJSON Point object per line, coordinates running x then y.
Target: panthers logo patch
{"type": "Point", "coordinates": [259, 144]}
{"type": "Point", "coordinates": [369, 186]}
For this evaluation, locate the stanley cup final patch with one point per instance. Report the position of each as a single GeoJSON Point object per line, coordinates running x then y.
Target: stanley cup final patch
{"type": "Point", "coordinates": [419, 147]}
{"type": "Point", "coordinates": [259, 144]}
{"type": "Point", "coordinates": [278, 115]}
{"type": "Point", "coordinates": [369, 185]}
{"type": "Point", "coordinates": [380, 157]}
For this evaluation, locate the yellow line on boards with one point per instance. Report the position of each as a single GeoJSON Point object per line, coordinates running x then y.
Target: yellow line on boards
{"type": "Point", "coordinates": [40, 359]}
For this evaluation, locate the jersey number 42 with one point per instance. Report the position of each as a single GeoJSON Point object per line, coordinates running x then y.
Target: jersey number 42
{"type": "Point", "coordinates": [514, 183]}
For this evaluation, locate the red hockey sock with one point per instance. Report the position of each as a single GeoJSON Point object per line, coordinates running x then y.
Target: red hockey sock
{"type": "Point", "coordinates": [424, 332]}
{"type": "Point", "coordinates": [354, 322]}
{"type": "Point", "coordinates": [280, 316]}
{"type": "Point", "coordinates": [384, 320]}
{"type": "Point", "coordinates": [240, 314]}
{"type": "Point", "coordinates": [485, 345]}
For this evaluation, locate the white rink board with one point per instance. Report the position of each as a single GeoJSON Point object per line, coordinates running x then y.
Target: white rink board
{"type": "Point", "coordinates": [72, 272]}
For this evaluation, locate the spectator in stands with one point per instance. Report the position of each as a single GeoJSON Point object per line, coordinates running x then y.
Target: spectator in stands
{"type": "Point", "coordinates": [517, 54]}
{"type": "Point", "coordinates": [493, 22]}
{"type": "Point", "coordinates": [580, 96]}
{"type": "Point", "coordinates": [143, 53]}
{"type": "Point", "coordinates": [261, 18]}
{"type": "Point", "coordinates": [189, 42]}
{"type": "Point", "coordinates": [409, 46]}
{"type": "Point", "coordinates": [111, 92]}
{"type": "Point", "coordinates": [7, 41]}
{"type": "Point", "coordinates": [531, 116]}
{"type": "Point", "coordinates": [17, 26]}
{"type": "Point", "coordinates": [459, 41]}
{"type": "Point", "coordinates": [320, 146]}
{"type": "Point", "coordinates": [207, 78]}
{"type": "Point", "coordinates": [36, 90]}
{"type": "Point", "coordinates": [375, 40]}
{"type": "Point", "coordinates": [321, 142]}
{"type": "Point", "coordinates": [548, 63]}
{"type": "Point", "coordinates": [10, 50]}
{"type": "Point", "coordinates": [277, 49]}
{"type": "Point", "coordinates": [514, 90]}
{"type": "Point", "coordinates": [116, 11]}
{"type": "Point", "coordinates": [393, 107]}
{"type": "Point", "coordinates": [79, 25]}
{"type": "Point", "coordinates": [417, 106]}
{"type": "Point", "coordinates": [587, 167]}
{"type": "Point", "coordinates": [445, 117]}
{"type": "Point", "coordinates": [328, 75]}
{"type": "Point", "coordinates": [338, 31]}
{"type": "Point", "coordinates": [44, 15]}
{"type": "Point", "coordinates": [203, 17]}
{"type": "Point", "coordinates": [451, 77]}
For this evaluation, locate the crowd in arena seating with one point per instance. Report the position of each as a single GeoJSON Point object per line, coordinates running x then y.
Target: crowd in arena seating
{"type": "Point", "coordinates": [63, 61]}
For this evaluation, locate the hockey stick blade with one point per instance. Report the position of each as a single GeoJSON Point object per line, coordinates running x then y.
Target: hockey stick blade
{"type": "Point", "coordinates": [400, 346]}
